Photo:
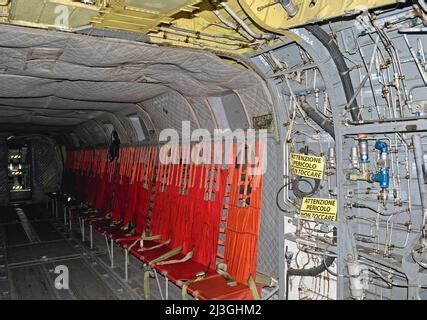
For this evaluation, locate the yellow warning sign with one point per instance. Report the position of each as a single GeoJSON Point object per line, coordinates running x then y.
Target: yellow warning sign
{"type": "Point", "coordinates": [307, 165]}
{"type": "Point", "coordinates": [319, 208]}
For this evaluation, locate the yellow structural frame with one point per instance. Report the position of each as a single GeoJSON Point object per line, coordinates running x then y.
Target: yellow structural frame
{"type": "Point", "coordinates": [270, 15]}
{"type": "Point", "coordinates": [202, 24]}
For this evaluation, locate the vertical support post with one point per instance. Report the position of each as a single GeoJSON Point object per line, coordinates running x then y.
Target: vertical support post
{"type": "Point", "coordinates": [282, 264]}
{"type": "Point", "coordinates": [83, 229]}
{"type": "Point", "coordinates": [126, 264]}
{"type": "Point", "coordinates": [65, 216]}
{"type": "Point", "coordinates": [158, 284]}
{"type": "Point", "coordinates": [112, 252]}
{"type": "Point", "coordinates": [91, 235]}
{"type": "Point", "coordinates": [70, 218]}
{"type": "Point", "coordinates": [108, 249]}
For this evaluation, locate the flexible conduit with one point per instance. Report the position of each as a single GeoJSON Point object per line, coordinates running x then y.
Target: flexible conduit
{"type": "Point", "coordinates": [339, 61]}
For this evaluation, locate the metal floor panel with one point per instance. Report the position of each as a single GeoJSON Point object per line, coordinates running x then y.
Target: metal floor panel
{"type": "Point", "coordinates": [85, 283]}
{"type": "Point", "coordinates": [136, 282]}
{"type": "Point", "coordinates": [15, 234]}
{"type": "Point", "coordinates": [31, 283]}
{"type": "Point", "coordinates": [46, 231]}
{"type": "Point", "coordinates": [7, 214]}
{"type": "Point", "coordinates": [31, 265]}
{"type": "Point", "coordinates": [40, 251]}
{"type": "Point", "coordinates": [36, 211]}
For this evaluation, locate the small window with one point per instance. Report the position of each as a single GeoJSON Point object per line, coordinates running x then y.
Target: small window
{"type": "Point", "coordinates": [139, 126]}
{"type": "Point", "coordinates": [219, 112]}
{"type": "Point", "coordinates": [229, 111]}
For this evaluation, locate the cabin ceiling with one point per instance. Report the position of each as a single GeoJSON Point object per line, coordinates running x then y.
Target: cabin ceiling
{"type": "Point", "coordinates": [60, 80]}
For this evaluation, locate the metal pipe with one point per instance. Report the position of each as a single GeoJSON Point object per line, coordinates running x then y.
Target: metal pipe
{"type": "Point", "coordinates": [70, 219]}
{"type": "Point", "coordinates": [244, 25]}
{"type": "Point", "coordinates": [202, 45]}
{"type": "Point", "coordinates": [419, 161]}
{"type": "Point", "coordinates": [83, 229]}
{"type": "Point", "coordinates": [419, 67]}
{"type": "Point", "coordinates": [91, 235]}
{"type": "Point", "coordinates": [371, 83]}
{"type": "Point", "coordinates": [220, 36]}
{"type": "Point", "coordinates": [203, 37]}
{"type": "Point", "coordinates": [126, 264]}
{"type": "Point", "coordinates": [413, 30]}
{"type": "Point", "coordinates": [112, 253]}
{"type": "Point", "coordinates": [362, 84]}
{"type": "Point", "coordinates": [232, 26]}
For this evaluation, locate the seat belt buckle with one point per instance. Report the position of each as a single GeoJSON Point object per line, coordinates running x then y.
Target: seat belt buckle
{"type": "Point", "coordinates": [231, 283]}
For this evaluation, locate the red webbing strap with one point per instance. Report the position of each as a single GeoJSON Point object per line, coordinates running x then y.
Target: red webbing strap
{"type": "Point", "coordinates": [243, 220]}
{"type": "Point", "coordinates": [144, 191]}
{"type": "Point", "coordinates": [104, 191]}
{"type": "Point", "coordinates": [165, 203]}
{"type": "Point", "coordinates": [117, 184]}
{"type": "Point", "coordinates": [132, 186]}
{"type": "Point", "coordinates": [124, 186]}
{"type": "Point", "coordinates": [94, 178]}
{"type": "Point", "coordinates": [182, 219]}
{"type": "Point", "coordinates": [197, 214]}
{"type": "Point", "coordinates": [207, 216]}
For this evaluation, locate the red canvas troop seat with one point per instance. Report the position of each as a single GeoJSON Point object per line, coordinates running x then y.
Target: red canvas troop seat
{"type": "Point", "coordinates": [181, 239]}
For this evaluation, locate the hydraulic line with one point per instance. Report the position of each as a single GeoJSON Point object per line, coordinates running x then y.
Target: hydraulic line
{"type": "Point", "coordinates": [311, 272]}
{"type": "Point", "coordinates": [314, 271]}
{"type": "Point", "coordinates": [419, 67]}
{"type": "Point", "coordinates": [321, 121]}
{"type": "Point", "coordinates": [203, 37]}
{"type": "Point", "coordinates": [253, 34]}
{"type": "Point", "coordinates": [339, 61]}
{"type": "Point", "coordinates": [419, 161]}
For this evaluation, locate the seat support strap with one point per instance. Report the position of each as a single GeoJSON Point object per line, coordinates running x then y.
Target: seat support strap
{"type": "Point", "coordinates": [184, 293]}
{"type": "Point", "coordinates": [252, 286]}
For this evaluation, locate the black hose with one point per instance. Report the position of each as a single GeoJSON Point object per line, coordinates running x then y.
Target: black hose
{"type": "Point", "coordinates": [321, 121]}
{"type": "Point", "coordinates": [312, 272]}
{"type": "Point", "coordinates": [339, 61]}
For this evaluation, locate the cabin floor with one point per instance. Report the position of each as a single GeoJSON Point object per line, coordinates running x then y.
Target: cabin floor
{"type": "Point", "coordinates": [33, 243]}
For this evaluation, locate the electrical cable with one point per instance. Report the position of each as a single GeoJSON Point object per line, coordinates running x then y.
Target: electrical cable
{"type": "Point", "coordinates": [301, 194]}
{"type": "Point", "coordinates": [277, 197]}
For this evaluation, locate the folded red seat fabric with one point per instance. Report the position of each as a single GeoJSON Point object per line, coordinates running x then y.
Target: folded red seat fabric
{"type": "Point", "coordinates": [139, 194]}
{"type": "Point", "coordinates": [241, 241]}
{"type": "Point", "coordinates": [157, 238]}
{"type": "Point", "coordinates": [150, 254]}
{"type": "Point", "coordinates": [183, 271]}
{"type": "Point", "coordinates": [215, 287]}
{"type": "Point", "coordinates": [203, 222]}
